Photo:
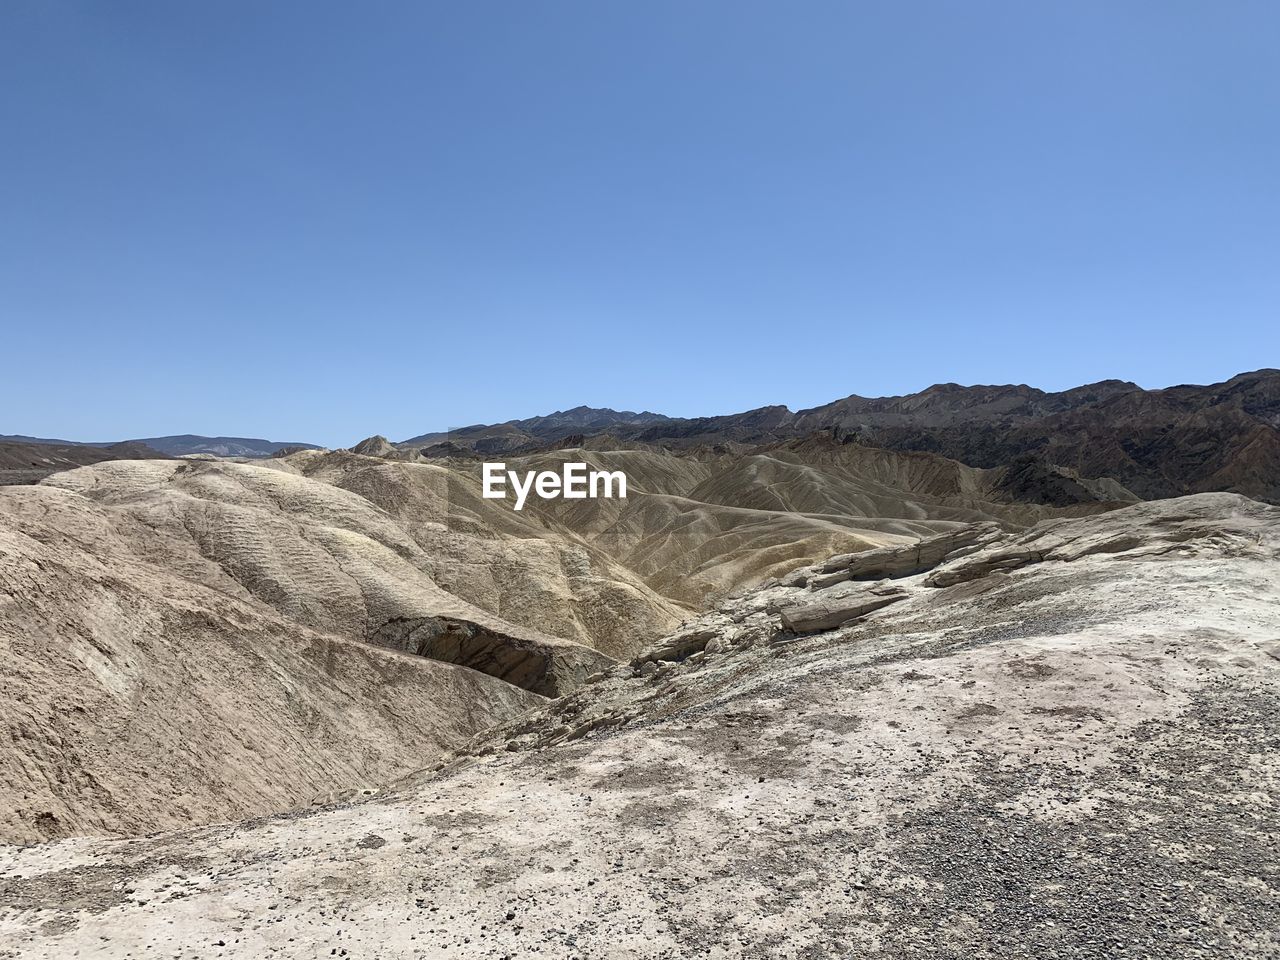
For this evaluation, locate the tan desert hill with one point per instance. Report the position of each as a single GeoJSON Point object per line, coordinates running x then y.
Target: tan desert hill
{"type": "Point", "coordinates": [1055, 742]}
{"type": "Point", "coordinates": [697, 525]}
{"type": "Point", "coordinates": [512, 565]}
{"type": "Point", "coordinates": [323, 557]}
{"type": "Point", "coordinates": [134, 698]}
{"type": "Point", "coordinates": [613, 574]}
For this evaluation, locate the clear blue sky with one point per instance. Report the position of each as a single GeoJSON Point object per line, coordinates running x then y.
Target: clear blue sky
{"type": "Point", "coordinates": [316, 221]}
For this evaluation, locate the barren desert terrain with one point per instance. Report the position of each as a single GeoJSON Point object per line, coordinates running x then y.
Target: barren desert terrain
{"type": "Point", "coordinates": [1052, 743]}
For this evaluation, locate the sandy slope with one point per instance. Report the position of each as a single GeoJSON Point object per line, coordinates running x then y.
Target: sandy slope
{"type": "Point", "coordinates": [1072, 751]}
{"type": "Point", "coordinates": [517, 566]}
{"type": "Point", "coordinates": [698, 526]}
{"type": "Point", "coordinates": [134, 699]}
{"type": "Point", "coordinates": [321, 556]}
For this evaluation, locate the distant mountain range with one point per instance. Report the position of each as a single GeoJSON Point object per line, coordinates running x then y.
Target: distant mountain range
{"type": "Point", "coordinates": [1157, 443]}
{"type": "Point", "coordinates": [182, 445]}
{"type": "Point", "coordinates": [579, 420]}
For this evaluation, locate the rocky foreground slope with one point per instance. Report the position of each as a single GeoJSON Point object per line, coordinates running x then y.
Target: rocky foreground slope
{"type": "Point", "coordinates": [1057, 743]}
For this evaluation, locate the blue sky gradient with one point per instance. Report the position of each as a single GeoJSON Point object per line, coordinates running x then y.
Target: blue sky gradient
{"type": "Point", "coordinates": [317, 221]}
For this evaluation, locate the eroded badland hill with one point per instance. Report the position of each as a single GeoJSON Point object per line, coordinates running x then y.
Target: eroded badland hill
{"type": "Point", "coordinates": [1052, 743]}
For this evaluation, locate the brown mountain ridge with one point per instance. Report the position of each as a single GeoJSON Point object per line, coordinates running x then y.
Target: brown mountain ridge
{"type": "Point", "coordinates": [1156, 443]}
